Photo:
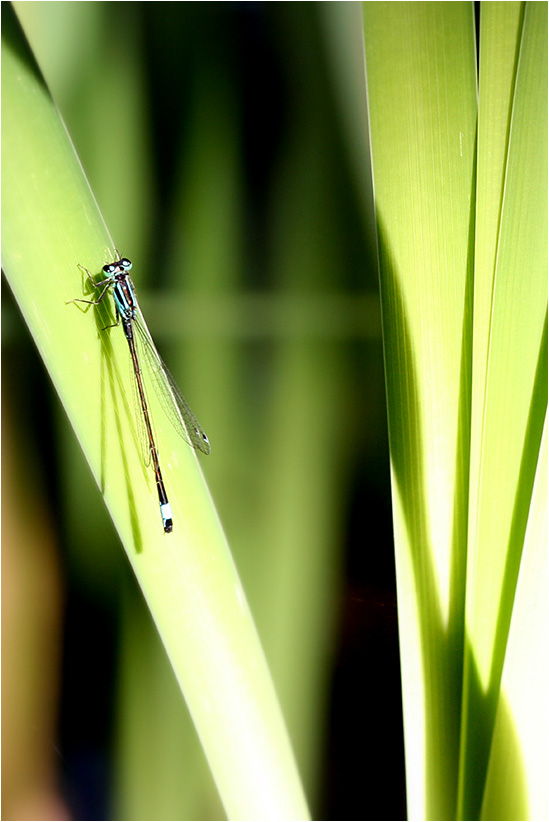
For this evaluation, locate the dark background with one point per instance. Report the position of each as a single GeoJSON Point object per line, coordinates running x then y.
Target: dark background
{"type": "Point", "coordinates": [269, 66]}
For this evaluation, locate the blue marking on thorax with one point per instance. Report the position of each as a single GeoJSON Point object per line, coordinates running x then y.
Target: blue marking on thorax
{"type": "Point", "coordinates": [125, 299]}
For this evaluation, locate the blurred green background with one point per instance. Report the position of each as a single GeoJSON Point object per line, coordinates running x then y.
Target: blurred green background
{"type": "Point", "coordinates": [227, 147]}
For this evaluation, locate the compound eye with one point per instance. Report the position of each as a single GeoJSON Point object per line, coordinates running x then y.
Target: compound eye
{"type": "Point", "coordinates": [109, 268]}
{"type": "Point", "coordinates": [125, 264]}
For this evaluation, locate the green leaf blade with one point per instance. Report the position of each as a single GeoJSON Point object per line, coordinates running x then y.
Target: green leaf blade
{"type": "Point", "coordinates": [420, 63]}
{"type": "Point", "coordinates": [51, 224]}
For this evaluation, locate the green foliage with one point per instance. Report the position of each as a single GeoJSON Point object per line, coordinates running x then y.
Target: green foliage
{"type": "Point", "coordinates": [461, 204]}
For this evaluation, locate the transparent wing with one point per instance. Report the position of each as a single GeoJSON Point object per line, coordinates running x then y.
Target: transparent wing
{"type": "Point", "coordinates": [140, 427]}
{"type": "Point", "coordinates": [173, 402]}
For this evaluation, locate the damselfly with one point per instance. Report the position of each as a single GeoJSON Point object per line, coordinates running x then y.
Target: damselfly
{"type": "Point", "coordinates": [128, 312]}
